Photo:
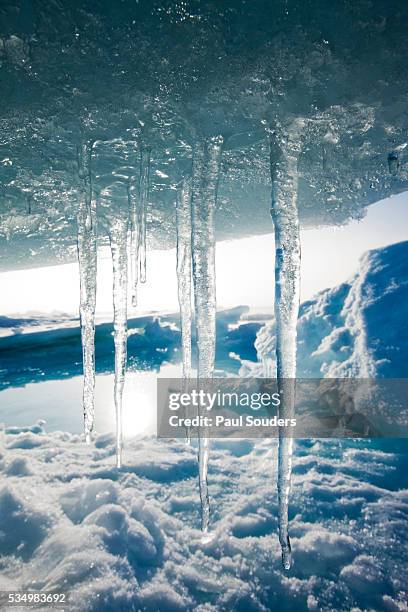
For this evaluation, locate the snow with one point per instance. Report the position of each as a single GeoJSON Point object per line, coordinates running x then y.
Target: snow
{"type": "Point", "coordinates": [131, 540]}
{"type": "Point", "coordinates": [345, 331]}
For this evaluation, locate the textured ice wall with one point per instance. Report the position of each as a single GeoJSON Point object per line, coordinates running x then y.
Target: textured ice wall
{"type": "Point", "coordinates": [166, 74]}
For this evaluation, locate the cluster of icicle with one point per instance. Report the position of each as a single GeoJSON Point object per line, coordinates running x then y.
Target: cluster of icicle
{"type": "Point", "coordinates": [195, 242]}
{"type": "Point", "coordinates": [127, 231]}
{"type": "Point", "coordinates": [196, 252]}
{"type": "Point", "coordinates": [195, 208]}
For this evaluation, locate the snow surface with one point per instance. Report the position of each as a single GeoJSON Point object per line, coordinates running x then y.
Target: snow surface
{"type": "Point", "coordinates": [130, 539]}
{"type": "Point", "coordinates": [357, 329]}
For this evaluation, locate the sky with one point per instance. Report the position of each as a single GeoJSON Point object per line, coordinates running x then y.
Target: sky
{"type": "Point", "coordinates": [245, 269]}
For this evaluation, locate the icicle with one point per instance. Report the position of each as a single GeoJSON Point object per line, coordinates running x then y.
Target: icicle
{"type": "Point", "coordinates": [206, 169]}
{"type": "Point", "coordinates": [284, 173]}
{"type": "Point", "coordinates": [143, 194]}
{"type": "Point", "coordinates": [134, 237]}
{"type": "Point", "coordinates": [118, 241]}
{"type": "Point", "coordinates": [183, 224]}
{"type": "Point", "coordinates": [84, 171]}
{"type": "Point", "coordinates": [183, 220]}
{"type": "Point", "coordinates": [87, 246]}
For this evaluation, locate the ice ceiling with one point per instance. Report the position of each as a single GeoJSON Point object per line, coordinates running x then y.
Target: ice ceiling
{"type": "Point", "coordinates": [163, 74]}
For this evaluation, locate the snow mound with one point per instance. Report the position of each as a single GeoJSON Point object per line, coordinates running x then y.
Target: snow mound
{"type": "Point", "coordinates": [347, 331]}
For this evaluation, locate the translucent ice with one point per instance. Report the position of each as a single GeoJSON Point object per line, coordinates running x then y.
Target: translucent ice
{"type": "Point", "coordinates": [143, 195]}
{"type": "Point", "coordinates": [118, 240]}
{"type": "Point", "coordinates": [86, 227]}
{"type": "Point", "coordinates": [206, 170]}
{"type": "Point", "coordinates": [134, 236]}
{"type": "Point", "coordinates": [183, 226]}
{"type": "Point", "coordinates": [284, 151]}
{"type": "Point", "coordinates": [183, 219]}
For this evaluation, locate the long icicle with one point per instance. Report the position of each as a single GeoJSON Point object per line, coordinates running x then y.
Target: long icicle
{"type": "Point", "coordinates": [118, 241]}
{"type": "Point", "coordinates": [134, 236]}
{"type": "Point", "coordinates": [143, 195]}
{"type": "Point", "coordinates": [87, 258]}
{"type": "Point", "coordinates": [284, 150]}
{"type": "Point", "coordinates": [206, 170]}
{"type": "Point", "coordinates": [183, 225]}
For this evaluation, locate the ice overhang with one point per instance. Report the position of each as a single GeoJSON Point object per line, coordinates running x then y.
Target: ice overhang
{"type": "Point", "coordinates": [165, 74]}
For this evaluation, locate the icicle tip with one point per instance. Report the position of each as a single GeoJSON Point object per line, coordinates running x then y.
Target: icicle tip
{"type": "Point", "coordinates": [207, 537]}
{"type": "Point", "coordinates": [287, 557]}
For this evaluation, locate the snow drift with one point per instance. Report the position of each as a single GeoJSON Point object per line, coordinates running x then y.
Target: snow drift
{"type": "Point", "coordinates": [357, 329]}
